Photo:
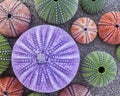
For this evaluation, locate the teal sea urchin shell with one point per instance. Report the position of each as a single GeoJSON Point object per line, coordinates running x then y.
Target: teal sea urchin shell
{"type": "Point", "coordinates": [56, 11]}
{"type": "Point", "coordinates": [5, 53]}
{"type": "Point", "coordinates": [99, 68]}
{"type": "Point", "coordinates": [92, 6]}
{"type": "Point", "coordinates": [37, 94]}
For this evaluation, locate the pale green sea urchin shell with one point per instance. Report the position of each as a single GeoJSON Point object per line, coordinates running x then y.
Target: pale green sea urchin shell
{"type": "Point", "coordinates": [56, 11]}
{"type": "Point", "coordinates": [92, 6]}
{"type": "Point", "coordinates": [5, 54]}
{"type": "Point", "coordinates": [118, 52]}
{"type": "Point", "coordinates": [37, 94]}
{"type": "Point", "coordinates": [99, 68]}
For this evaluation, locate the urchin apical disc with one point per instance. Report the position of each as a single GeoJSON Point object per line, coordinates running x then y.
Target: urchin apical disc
{"type": "Point", "coordinates": [45, 58]}
{"type": "Point", "coordinates": [10, 86]}
{"type": "Point", "coordinates": [75, 90]}
{"type": "Point", "coordinates": [99, 68]}
{"type": "Point", "coordinates": [118, 52]}
{"type": "Point", "coordinates": [92, 6]}
{"type": "Point", "coordinates": [84, 30]}
{"type": "Point", "coordinates": [37, 94]}
{"type": "Point", "coordinates": [5, 54]}
{"type": "Point", "coordinates": [109, 27]}
{"type": "Point", "coordinates": [56, 11]}
{"type": "Point", "coordinates": [15, 18]}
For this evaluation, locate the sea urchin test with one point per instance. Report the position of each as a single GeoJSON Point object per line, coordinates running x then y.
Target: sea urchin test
{"type": "Point", "coordinates": [45, 58]}
{"type": "Point", "coordinates": [14, 18]}
{"type": "Point", "coordinates": [10, 86]}
{"type": "Point", "coordinates": [75, 90]}
{"type": "Point", "coordinates": [56, 11]}
{"type": "Point", "coordinates": [84, 30]}
{"type": "Point", "coordinates": [37, 94]}
{"type": "Point", "coordinates": [99, 68]}
{"type": "Point", "coordinates": [92, 6]}
{"type": "Point", "coordinates": [109, 27]}
{"type": "Point", "coordinates": [5, 54]}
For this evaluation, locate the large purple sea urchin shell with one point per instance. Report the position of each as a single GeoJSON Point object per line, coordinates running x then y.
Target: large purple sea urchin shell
{"type": "Point", "coordinates": [45, 59]}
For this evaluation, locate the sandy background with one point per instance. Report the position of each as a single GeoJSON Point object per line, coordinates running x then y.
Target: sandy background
{"type": "Point", "coordinates": [113, 89]}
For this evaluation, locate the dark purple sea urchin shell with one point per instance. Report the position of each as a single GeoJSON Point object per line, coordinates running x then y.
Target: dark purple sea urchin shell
{"type": "Point", "coordinates": [45, 59]}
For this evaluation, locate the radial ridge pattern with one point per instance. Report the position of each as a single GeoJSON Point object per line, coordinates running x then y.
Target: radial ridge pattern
{"type": "Point", "coordinates": [109, 27]}
{"type": "Point", "coordinates": [75, 90]}
{"type": "Point", "coordinates": [5, 54]}
{"type": "Point", "coordinates": [14, 18]}
{"type": "Point", "coordinates": [92, 6]}
{"type": "Point", "coordinates": [56, 11]}
{"type": "Point", "coordinates": [10, 86]}
{"type": "Point", "coordinates": [99, 68]}
{"type": "Point", "coordinates": [45, 58]}
{"type": "Point", "coordinates": [84, 30]}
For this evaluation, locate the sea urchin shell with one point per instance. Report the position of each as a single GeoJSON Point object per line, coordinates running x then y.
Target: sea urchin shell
{"type": "Point", "coordinates": [14, 18]}
{"type": "Point", "coordinates": [56, 11]}
{"type": "Point", "coordinates": [92, 6]}
{"type": "Point", "coordinates": [45, 59]}
{"type": "Point", "coordinates": [5, 53]}
{"type": "Point", "coordinates": [118, 52]}
{"type": "Point", "coordinates": [37, 94]}
{"type": "Point", "coordinates": [109, 27]}
{"type": "Point", "coordinates": [10, 86]}
{"type": "Point", "coordinates": [84, 30]}
{"type": "Point", "coordinates": [99, 68]}
{"type": "Point", "coordinates": [75, 90]}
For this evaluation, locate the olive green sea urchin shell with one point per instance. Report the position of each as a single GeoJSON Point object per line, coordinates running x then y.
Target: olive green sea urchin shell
{"type": "Point", "coordinates": [5, 53]}
{"type": "Point", "coordinates": [37, 94]}
{"type": "Point", "coordinates": [99, 68]}
{"type": "Point", "coordinates": [56, 11]}
{"type": "Point", "coordinates": [92, 6]}
{"type": "Point", "coordinates": [118, 52]}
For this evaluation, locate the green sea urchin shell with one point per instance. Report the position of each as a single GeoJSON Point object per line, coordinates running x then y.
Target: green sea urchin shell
{"type": "Point", "coordinates": [37, 94]}
{"type": "Point", "coordinates": [99, 68]}
{"type": "Point", "coordinates": [92, 6]}
{"type": "Point", "coordinates": [118, 52]}
{"type": "Point", "coordinates": [56, 11]}
{"type": "Point", "coordinates": [5, 53]}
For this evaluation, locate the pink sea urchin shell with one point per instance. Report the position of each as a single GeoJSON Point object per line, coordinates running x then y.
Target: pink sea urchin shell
{"type": "Point", "coordinates": [10, 86]}
{"type": "Point", "coordinates": [84, 30]}
{"type": "Point", "coordinates": [75, 90]}
{"type": "Point", "coordinates": [14, 18]}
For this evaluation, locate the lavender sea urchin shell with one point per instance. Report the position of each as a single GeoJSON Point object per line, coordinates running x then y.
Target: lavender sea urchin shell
{"type": "Point", "coordinates": [14, 18]}
{"type": "Point", "coordinates": [45, 59]}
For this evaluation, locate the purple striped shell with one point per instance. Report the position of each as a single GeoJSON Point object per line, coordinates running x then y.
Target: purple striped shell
{"type": "Point", "coordinates": [45, 59]}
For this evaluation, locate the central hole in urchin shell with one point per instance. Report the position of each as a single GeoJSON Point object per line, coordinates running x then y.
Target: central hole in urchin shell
{"type": "Point", "coordinates": [42, 58]}
{"type": "Point", "coordinates": [117, 25]}
{"type": "Point", "coordinates": [9, 15]}
{"type": "Point", "coordinates": [85, 29]}
{"type": "Point", "coordinates": [101, 69]}
{"type": "Point", "coordinates": [55, 0]}
{"type": "Point", "coordinates": [93, 0]}
{"type": "Point", "coordinates": [5, 93]}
